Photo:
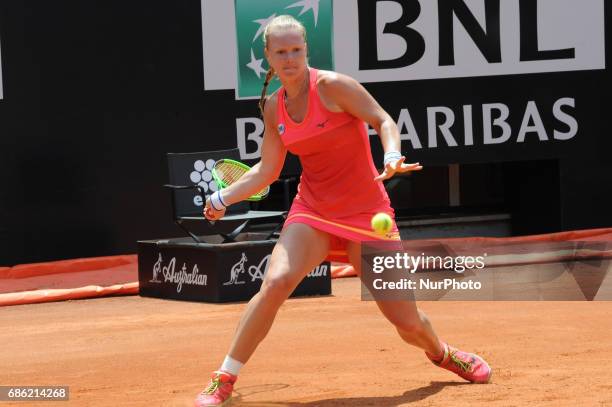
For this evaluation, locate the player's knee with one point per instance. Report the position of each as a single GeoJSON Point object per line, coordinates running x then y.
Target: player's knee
{"type": "Point", "coordinates": [277, 287]}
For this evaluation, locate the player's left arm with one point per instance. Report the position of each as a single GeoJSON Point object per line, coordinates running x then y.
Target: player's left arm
{"type": "Point", "coordinates": [343, 93]}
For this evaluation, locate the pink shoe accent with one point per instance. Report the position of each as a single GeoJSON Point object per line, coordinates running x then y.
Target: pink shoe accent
{"type": "Point", "coordinates": [469, 366]}
{"type": "Point", "coordinates": [218, 392]}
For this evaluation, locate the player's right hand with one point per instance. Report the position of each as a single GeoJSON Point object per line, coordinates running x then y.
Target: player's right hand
{"type": "Point", "coordinates": [211, 213]}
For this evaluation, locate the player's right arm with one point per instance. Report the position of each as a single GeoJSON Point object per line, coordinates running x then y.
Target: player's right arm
{"type": "Point", "coordinates": [266, 171]}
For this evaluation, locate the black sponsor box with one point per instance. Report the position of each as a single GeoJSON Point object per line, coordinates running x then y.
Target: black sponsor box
{"type": "Point", "coordinates": [214, 271]}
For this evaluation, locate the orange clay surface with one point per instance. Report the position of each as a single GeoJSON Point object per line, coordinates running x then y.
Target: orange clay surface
{"type": "Point", "coordinates": [329, 351]}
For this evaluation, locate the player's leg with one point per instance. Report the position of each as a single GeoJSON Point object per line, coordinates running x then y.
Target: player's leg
{"type": "Point", "coordinates": [411, 323]}
{"type": "Point", "coordinates": [300, 248]}
{"type": "Point", "coordinates": [415, 328]}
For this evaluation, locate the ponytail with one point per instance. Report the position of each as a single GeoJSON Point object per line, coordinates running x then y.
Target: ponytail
{"type": "Point", "coordinates": [262, 99]}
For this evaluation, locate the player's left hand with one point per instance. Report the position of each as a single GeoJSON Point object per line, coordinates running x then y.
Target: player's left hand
{"type": "Point", "coordinates": [394, 167]}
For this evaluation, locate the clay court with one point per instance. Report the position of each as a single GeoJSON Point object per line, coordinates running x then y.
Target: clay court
{"type": "Point", "coordinates": [324, 351]}
{"type": "Point", "coordinates": [471, 130]}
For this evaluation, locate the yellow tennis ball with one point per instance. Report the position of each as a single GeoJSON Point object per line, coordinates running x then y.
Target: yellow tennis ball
{"type": "Point", "coordinates": [381, 223]}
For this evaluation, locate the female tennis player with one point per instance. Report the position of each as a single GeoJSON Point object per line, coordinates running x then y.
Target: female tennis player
{"type": "Point", "coordinates": [319, 116]}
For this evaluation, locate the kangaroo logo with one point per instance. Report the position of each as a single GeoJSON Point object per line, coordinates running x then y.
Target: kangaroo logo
{"type": "Point", "coordinates": [156, 270]}
{"type": "Point", "coordinates": [178, 277]}
{"type": "Point", "coordinates": [237, 269]}
{"type": "Point", "coordinates": [258, 271]}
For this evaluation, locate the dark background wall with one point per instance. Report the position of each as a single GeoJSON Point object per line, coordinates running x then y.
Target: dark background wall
{"type": "Point", "coordinates": [96, 92]}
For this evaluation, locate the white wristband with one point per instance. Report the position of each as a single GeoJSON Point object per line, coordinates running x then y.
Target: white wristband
{"type": "Point", "coordinates": [222, 200]}
{"type": "Point", "coordinates": [391, 156]}
{"type": "Point", "coordinates": [216, 201]}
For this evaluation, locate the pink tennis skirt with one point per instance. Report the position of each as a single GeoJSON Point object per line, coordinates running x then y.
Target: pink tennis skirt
{"type": "Point", "coordinates": [354, 228]}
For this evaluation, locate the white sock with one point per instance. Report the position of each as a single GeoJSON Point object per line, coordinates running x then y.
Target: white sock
{"type": "Point", "coordinates": [231, 365]}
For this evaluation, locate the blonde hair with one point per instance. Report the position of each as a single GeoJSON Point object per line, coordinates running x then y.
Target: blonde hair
{"type": "Point", "coordinates": [280, 23]}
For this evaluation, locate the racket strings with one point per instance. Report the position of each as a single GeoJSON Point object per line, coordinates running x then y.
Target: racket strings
{"type": "Point", "coordinates": [230, 173]}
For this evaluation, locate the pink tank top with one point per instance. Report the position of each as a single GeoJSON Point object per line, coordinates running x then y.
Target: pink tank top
{"type": "Point", "coordinates": [334, 149]}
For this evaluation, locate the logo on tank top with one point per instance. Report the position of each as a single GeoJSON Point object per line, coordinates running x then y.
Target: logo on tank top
{"type": "Point", "coordinates": [322, 124]}
{"type": "Point", "coordinates": [281, 129]}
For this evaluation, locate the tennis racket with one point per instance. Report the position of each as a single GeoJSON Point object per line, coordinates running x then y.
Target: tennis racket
{"type": "Point", "coordinates": [226, 172]}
